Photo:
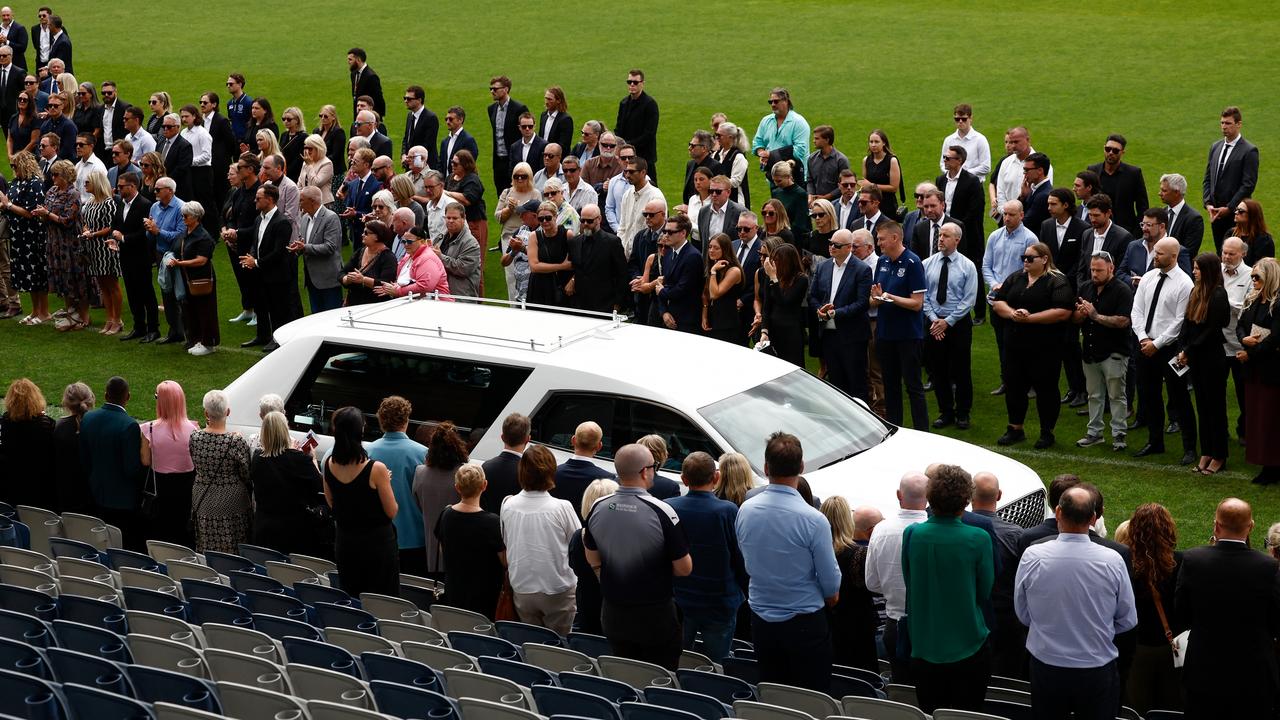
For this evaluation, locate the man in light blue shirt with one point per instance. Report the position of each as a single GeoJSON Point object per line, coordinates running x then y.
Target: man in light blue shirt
{"type": "Point", "coordinates": [786, 545]}
{"type": "Point", "coordinates": [1075, 597]}
{"type": "Point", "coordinates": [1002, 258]}
{"type": "Point", "coordinates": [164, 225]}
{"type": "Point", "coordinates": [402, 457]}
{"type": "Point", "coordinates": [782, 128]}
{"type": "Point", "coordinates": [952, 289]}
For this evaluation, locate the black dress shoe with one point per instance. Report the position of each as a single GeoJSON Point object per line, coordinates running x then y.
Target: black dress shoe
{"type": "Point", "coordinates": [1046, 440]}
{"type": "Point", "coordinates": [942, 422]}
{"type": "Point", "coordinates": [253, 343]}
{"type": "Point", "coordinates": [149, 338]}
{"type": "Point", "coordinates": [170, 339]}
{"type": "Point", "coordinates": [1188, 457]}
{"type": "Point", "coordinates": [962, 423]}
{"type": "Point", "coordinates": [1011, 436]}
{"type": "Point", "coordinates": [1174, 427]}
{"type": "Point", "coordinates": [133, 335]}
{"type": "Point", "coordinates": [1068, 397]}
{"type": "Point", "coordinates": [999, 390]}
{"type": "Point", "coordinates": [979, 321]}
{"type": "Point", "coordinates": [1149, 449]}
{"type": "Point", "coordinates": [270, 347]}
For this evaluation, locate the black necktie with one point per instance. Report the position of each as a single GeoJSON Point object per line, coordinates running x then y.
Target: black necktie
{"type": "Point", "coordinates": [742, 253]}
{"type": "Point", "coordinates": [933, 246]}
{"type": "Point", "coordinates": [1222, 158]}
{"type": "Point", "coordinates": [942, 280]}
{"type": "Point", "coordinates": [408, 131]}
{"type": "Point", "coordinates": [870, 225]}
{"type": "Point", "coordinates": [1155, 301]}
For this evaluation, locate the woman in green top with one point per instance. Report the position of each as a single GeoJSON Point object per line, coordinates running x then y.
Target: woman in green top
{"type": "Point", "coordinates": [948, 571]}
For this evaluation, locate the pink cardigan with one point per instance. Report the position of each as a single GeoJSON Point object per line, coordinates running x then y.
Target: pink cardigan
{"type": "Point", "coordinates": [426, 274]}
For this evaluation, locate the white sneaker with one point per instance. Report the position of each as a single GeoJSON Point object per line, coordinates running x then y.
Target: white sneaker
{"type": "Point", "coordinates": [253, 321]}
{"type": "Point", "coordinates": [244, 315]}
{"type": "Point", "coordinates": [199, 350]}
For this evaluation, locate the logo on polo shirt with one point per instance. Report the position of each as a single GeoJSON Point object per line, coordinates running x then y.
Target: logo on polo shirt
{"type": "Point", "coordinates": [902, 272]}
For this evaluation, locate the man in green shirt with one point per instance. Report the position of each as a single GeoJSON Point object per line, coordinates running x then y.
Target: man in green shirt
{"type": "Point", "coordinates": [948, 571]}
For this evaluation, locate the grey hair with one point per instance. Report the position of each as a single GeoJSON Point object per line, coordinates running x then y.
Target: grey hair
{"type": "Point", "coordinates": [78, 398]}
{"type": "Point", "coordinates": [863, 236]}
{"type": "Point", "coordinates": [384, 196]}
{"type": "Point", "coordinates": [433, 175]}
{"type": "Point", "coordinates": [951, 227]}
{"type": "Point", "coordinates": [193, 209]}
{"type": "Point", "coordinates": [270, 402]}
{"type": "Point", "coordinates": [1176, 182]}
{"type": "Point", "coordinates": [782, 169]}
{"type": "Point", "coordinates": [596, 126]}
{"type": "Point", "coordinates": [216, 405]}
{"type": "Point", "coordinates": [359, 141]}
{"type": "Point", "coordinates": [174, 117]}
{"type": "Point", "coordinates": [167, 182]}
{"type": "Point", "coordinates": [552, 184]}
{"type": "Point", "coordinates": [748, 215]}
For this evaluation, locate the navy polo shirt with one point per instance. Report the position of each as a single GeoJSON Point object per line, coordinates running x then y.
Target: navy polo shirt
{"type": "Point", "coordinates": [902, 277]}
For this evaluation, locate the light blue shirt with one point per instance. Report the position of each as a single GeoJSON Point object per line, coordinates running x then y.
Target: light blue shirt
{"type": "Point", "coordinates": [962, 288]}
{"type": "Point", "coordinates": [1004, 253]}
{"type": "Point", "coordinates": [618, 187]}
{"type": "Point", "coordinates": [793, 133]}
{"type": "Point", "coordinates": [168, 224]}
{"type": "Point", "coordinates": [786, 545]}
{"type": "Point", "coordinates": [402, 457]}
{"type": "Point", "coordinates": [1075, 596]}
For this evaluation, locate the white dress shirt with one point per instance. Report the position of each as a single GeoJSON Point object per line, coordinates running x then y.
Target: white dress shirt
{"type": "Point", "coordinates": [844, 210]}
{"type": "Point", "coordinates": [837, 272]}
{"type": "Point", "coordinates": [546, 128]}
{"type": "Point", "coordinates": [262, 226]}
{"type": "Point", "coordinates": [1175, 211]}
{"type": "Point", "coordinates": [1169, 309]}
{"type": "Point", "coordinates": [716, 225]}
{"type": "Point", "coordinates": [949, 193]}
{"type": "Point", "coordinates": [1237, 286]}
{"type": "Point", "coordinates": [448, 149]}
{"type": "Point", "coordinates": [201, 145]}
{"type": "Point", "coordinates": [108, 119]}
{"type": "Point", "coordinates": [1100, 237]}
{"type": "Point", "coordinates": [884, 561]}
{"type": "Point", "coordinates": [977, 149]}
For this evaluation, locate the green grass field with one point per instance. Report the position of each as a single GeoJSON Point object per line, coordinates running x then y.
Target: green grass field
{"type": "Point", "coordinates": [1158, 72]}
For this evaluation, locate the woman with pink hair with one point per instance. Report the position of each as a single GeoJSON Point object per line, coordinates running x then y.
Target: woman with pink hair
{"type": "Point", "coordinates": [167, 455]}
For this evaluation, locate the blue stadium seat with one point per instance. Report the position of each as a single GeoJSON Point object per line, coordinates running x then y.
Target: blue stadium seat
{"type": "Point", "coordinates": [155, 685]}
{"type": "Point", "coordinates": [28, 602]}
{"type": "Point", "coordinates": [588, 644]}
{"type": "Point", "coordinates": [351, 618]}
{"type": "Point", "coordinates": [117, 558]}
{"type": "Point", "coordinates": [842, 685]}
{"type": "Point", "coordinates": [322, 655]}
{"type": "Point", "coordinates": [26, 696]}
{"type": "Point", "coordinates": [644, 711]}
{"type": "Point", "coordinates": [66, 547]}
{"type": "Point", "coordinates": [420, 596]}
{"type": "Point", "coordinates": [91, 640]}
{"type": "Point", "coordinates": [703, 706]}
{"type": "Point", "coordinates": [744, 669]}
{"type": "Point", "coordinates": [517, 672]}
{"type": "Point", "coordinates": [26, 628]}
{"type": "Point", "coordinates": [154, 601]}
{"type": "Point", "coordinates": [92, 611]}
{"type": "Point", "coordinates": [70, 666]}
{"type": "Point", "coordinates": [88, 702]}
{"type": "Point", "coordinates": [615, 691]}
{"type": "Point", "coordinates": [226, 563]}
{"type": "Point", "coordinates": [279, 628]}
{"type": "Point", "coordinates": [393, 669]}
{"type": "Point", "coordinates": [313, 594]}
{"type": "Point", "coordinates": [563, 701]}
{"type": "Point", "coordinates": [411, 703]}
{"type": "Point", "coordinates": [243, 581]}
{"type": "Point", "coordinates": [193, 588]}
{"type": "Point", "coordinates": [19, 656]}
{"type": "Point", "coordinates": [203, 610]}
{"type": "Point", "coordinates": [261, 555]}
{"type": "Point", "coordinates": [261, 602]}
{"type": "Point", "coordinates": [724, 688]}
{"type": "Point", "coordinates": [518, 633]}
{"type": "Point", "coordinates": [475, 645]}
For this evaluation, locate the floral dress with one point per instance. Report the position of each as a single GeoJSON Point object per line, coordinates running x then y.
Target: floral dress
{"type": "Point", "coordinates": [221, 499]}
{"type": "Point", "coordinates": [68, 262]}
{"type": "Point", "coordinates": [103, 262]}
{"type": "Point", "coordinates": [30, 266]}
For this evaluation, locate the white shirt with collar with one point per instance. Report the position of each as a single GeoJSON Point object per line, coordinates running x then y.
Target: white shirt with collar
{"type": "Point", "coordinates": [977, 152]}
{"type": "Point", "coordinates": [844, 210]}
{"type": "Point", "coordinates": [453, 139]}
{"type": "Point", "coordinates": [884, 561]}
{"type": "Point", "coordinates": [262, 226]}
{"type": "Point", "coordinates": [949, 193]}
{"type": "Point", "coordinates": [837, 272]}
{"type": "Point", "coordinates": [870, 223]}
{"type": "Point", "coordinates": [46, 40]}
{"type": "Point", "coordinates": [1099, 238]}
{"type": "Point", "coordinates": [546, 128]}
{"type": "Point", "coordinates": [310, 226]}
{"type": "Point", "coordinates": [871, 261]}
{"type": "Point", "coordinates": [1237, 286]}
{"type": "Point", "coordinates": [1175, 211]}
{"type": "Point", "coordinates": [1061, 229]}
{"type": "Point", "coordinates": [108, 119]}
{"type": "Point", "coordinates": [1170, 308]}
{"type": "Point", "coordinates": [716, 225]}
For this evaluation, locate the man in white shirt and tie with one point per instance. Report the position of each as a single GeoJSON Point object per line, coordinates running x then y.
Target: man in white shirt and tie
{"type": "Point", "coordinates": [1159, 306]}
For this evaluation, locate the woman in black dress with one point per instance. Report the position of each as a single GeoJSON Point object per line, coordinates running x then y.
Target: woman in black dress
{"type": "Point", "coordinates": [160, 106]}
{"type": "Point", "coordinates": [782, 319]}
{"type": "Point", "coordinates": [823, 215]}
{"type": "Point", "coordinates": [26, 446]}
{"type": "Point", "coordinates": [1208, 312]}
{"type": "Point", "coordinates": [776, 220]}
{"type": "Point", "coordinates": [359, 491]}
{"type": "Point", "coordinates": [70, 480]}
{"type": "Point", "coordinates": [549, 264]}
{"type": "Point", "coordinates": [1036, 301]}
{"type": "Point", "coordinates": [295, 133]}
{"type": "Point", "coordinates": [261, 117]}
{"type": "Point", "coordinates": [471, 540]}
{"type": "Point", "coordinates": [880, 169]}
{"type": "Point", "coordinates": [853, 618]}
{"type": "Point", "coordinates": [720, 317]}
{"type": "Point", "coordinates": [370, 267]}
{"type": "Point", "coordinates": [195, 259]}
{"type": "Point", "coordinates": [1251, 227]}
{"type": "Point", "coordinates": [24, 128]}
{"type": "Point", "coordinates": [286, 484]}
{"type": "Point", "coordinates": [88, 115]}
{"type": "Point", "coordinates": [1153, 680]}
{"type": "Point", "coordinates": [1260, 359]}
{"type": "Point", "coordinates": [464, 185]}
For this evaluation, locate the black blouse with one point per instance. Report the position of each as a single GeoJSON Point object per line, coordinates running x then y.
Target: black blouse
{"type": "Point", "coordinates": [198, 243]}
{"type": "Point", "coordinates": [1050, 292]}
{"type": "Point", "coordinates": [1206, 335]}
{"type": "Point", "coordinates": [471, 188]}
{"type": "Point", "coordinates": [382, 269]}
{"type": "Point", "coordinates": [1264, 358]}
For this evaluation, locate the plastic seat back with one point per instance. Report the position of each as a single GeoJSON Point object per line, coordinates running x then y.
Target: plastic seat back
{"type": "Point", "coordinates": [29, 578]}
{"type": "Point", "coordinates": [424, 598]}
{"type": "Point", "coordinates": [279, 628]}
{"type": "Point", "coordinates": [466, 683]}
{"type": "Point", "coordinates": [70, 666]}
{"type": "Point", "coordinates": [204, 610]}
{"type": "Point", "coordinates": [68, 547]}
{"type": "Point", "coordinates": [644, 711]}
{"type": "Point", "coordinates": [615, 691]}
{"type": "Point", "coordinates": [169, 627]}
{"type": "Point", "coordinates": [319, 566]}
{"type": "Point", "coordinates": [30, 559]}
{"type": "Point", "coordinates": [19, 656]}
{"type": "Point", "coordinates": [26, 628]}
{"type": "Point", "coordinates": [874, 708]}
{"type": "Point", "coordinates": [27, 696]}
{"type": "Point", "coordinates": [564, 701]}
{"type": "Point", "coordinates": [393, 669]}
{"type": "Point", "coordinates": [119, 559]}
{"type": "Point", "coordinates": [322, 710]}
{"type": "Point", "coordinates": [386, 607]}
{"type": "Point", "coordinates": [261, 555]}
{"type": "Point", "coordinates": [242, 640]}
{"type": "Point", "coordinates": [519, 673]}
{"type": "Point", "coordinates": [411, 703]}
{"type": "Point", "coordinates": [475, 645]}
{"type": "Point", "coordinates": [703, 706]}
{"type": "Point", "coordinates": [250, 670]}
{"type": "Point", "coordinates": [90, 530]}
{"type": "Point", "coordinates": [245, 702]}
{"type": "Point", "coordinates": [403, 631]}
{"type": "Point", "coordinates": [154, 601]}
{"type": "Point", "coordinates": [438, 657]}
{"type": "Point", "coordinates": [724, 688]}
{"type": "Point", "coordinates": [163, 552]}
{"type": "Point", "coordinates": [182, 570]}
{"type": "Point", "coordinates": [741, 668]}
{"type": "Point", "coordinates": [314, 594]}
{"type": "Point", "coordinates": [588, 644]}
{"type": "Point", "coordinates": [193, 588]}
{"type": "Point", "coordinates": [288, 573]}
{"type": "Point", "coordinates": [843, 685]}
{"type": "Point", "coordinates": [478, 709]}
{"type": "Point", "coordinates": [357, 642]}
{"type": "Point", "coordinates": [35, 603]}
{"type": "Point", "coordinates": [91, 640]}
{"type": "Point", "coordinates": [92, 611]}
{"type": "Point", "coordinates": [321, 655]}
{"type": "Point", "coordinates": [447, 619]}
{"type": "Point", "coordinates": [314, 683]}
{"type": "Point", "coordinates": [244, 581]}
{"type": "Point", "coordinates": [559, 659]}
{"type": "Point", "coordinates": [874, 678]}
{"type": "Point", "coordinates": [518, 633]}
{"type": "Point", "coordinates": [808, 701]}
{"type": "Point", "coordinates": [225, 563]}
{"type": "Point", "coordinates": [173, 711]}
{"type": "Point", "coordinates": [167, 655]}
{"type": "Point", "coordinates": [635, 673]}
{"type": "Point", "coordinates": [89, 702]}
{"type": "Point", "coordinates": [261, 602]}
{"type": "Point", "coordinates": [156, 685]}
{"type": "Point", "coordinates": [340, 616]}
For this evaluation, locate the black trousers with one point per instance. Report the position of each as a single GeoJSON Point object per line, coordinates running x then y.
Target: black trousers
{"type": "Point", "coordinates": [133, 536]}
{"type": "Point", "coordinates": [258, 298]}
{"type": "Point", "coordinates": [1032, 368]}
{"type": "Point", "coordinates": [846, 364]}
{"type": "Point", "coordinates": [794, 652]}
{"type": "Point", "coordinates": [900, 667]}
{"type": "Point", "coordinates": [1073, 359]}
{"type": "Point", "coordinates": [1209, 377]}
{"type": "Point", "coordinates": [1237, 379]}
{"type": "Point", "coordinates": [998, 325]}
{"type": "Point", "coordinates": [960, 685]}
{"type": "Point", "coordinates": [502, 173]}
{"type": "Point", "coordinates": [1153, 374]}
{"type": "Point", "coordinates": [900, 366]}
{"type": "Point", "coordinates": [1089, 693]}
{"type": "Point", "coordinates": [141, 291]}
{"type": "Point", "coordinates": [649, 633]}
{"type": "Point", "coordinates": [1221, 229]}
{"type": "Point", "coordinates": [949, 362]}
{"type": "Point", "coordinates": [283, 305]}
{"type": "Point", "coordinates": [243, 280]}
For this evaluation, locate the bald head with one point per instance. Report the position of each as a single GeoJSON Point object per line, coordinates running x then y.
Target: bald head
{"type": "Point", "coordinates": [590, 211]}
{"type": "Point", "coordinates": [656, 212]}
{"type": "Point", "coordinates": [586, 439]}
{"type": "Point", "coordinates": [1166, 253]}
{"type": "Point", "coordinates": [986, 491]}
{"type": "Point", "coordinates": [1076, 510]}
{"type": "Point", "coordinates": [366, 123]}
{"type": "Point", "coordinates": [911, 491]}
{"type": "Point", "coordinates": [865, 518]}
{"type": "Point", "coordinates": [630, 462]}
{"type": "Point", "coordinates": [1233, 520]}
{"type": "Point", "coordinates": [401, 220]}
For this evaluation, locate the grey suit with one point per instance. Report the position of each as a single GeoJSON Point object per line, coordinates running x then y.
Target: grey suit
{"type": "Point", "coordinates": [322, 254]}
{"type": "Point", "coordinates": [288, 205]}
{"type": "Point", "coordinates": [461, 258]}
{"type": "Point", "coordinates": [731, 211]}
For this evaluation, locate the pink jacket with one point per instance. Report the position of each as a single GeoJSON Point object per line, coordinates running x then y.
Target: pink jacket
{"type": "Point", "coordinates": [426, 273]}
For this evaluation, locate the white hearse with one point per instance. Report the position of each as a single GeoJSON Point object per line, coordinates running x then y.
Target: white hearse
{"type": "Point", "coordinates": [474, 363]}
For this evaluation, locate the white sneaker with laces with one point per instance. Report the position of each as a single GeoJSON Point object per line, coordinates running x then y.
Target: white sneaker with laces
{"type": "Point", "coordinates": [200, 350]}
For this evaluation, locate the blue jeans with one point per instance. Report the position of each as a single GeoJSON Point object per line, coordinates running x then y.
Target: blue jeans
{"type": "Point", "coordinates": [717, 632]}
{"type": "Point", "coordinates": [326, 299]}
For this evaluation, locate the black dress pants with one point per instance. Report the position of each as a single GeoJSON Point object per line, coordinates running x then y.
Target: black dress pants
{"type": "Point", "coordinates": [795, 651]}
{"type": "Point", "coordinates": [960, 685]}
{"type": "Point", "coordinates": [141, 292]}
{"type": "Point", "coordinates": [949, 362]}
{"type": "Point", "coordinates": [1154, 374]}
{"type": "Point", "coordinates": [1030, 367]}
{"type": "Point", "coordinates": [899, 367]}
{"type": "Point", "coordinates": [1089, 693]}
{"type": "Point", "coordinates": [1209, 377]}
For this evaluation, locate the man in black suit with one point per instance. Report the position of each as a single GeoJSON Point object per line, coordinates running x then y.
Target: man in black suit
{"type": "Point", "coordinates": [846, 203]}
{"type": "Point", "coordinates": [1063, 232]}
{"type": "Point", "coordinates": [364, 81]}
{"type": "Point", "coordinates": [1229, 597]}
{"type": "Point", "coordinates": [1123, 183]}
{"type": "Point", "coordinates": [1035, 173]}
{"type": "Point", "coordinates": [457, 139]}
{"type": "Point", "coordinates": [872, 218]}
{"type": "Point", "coordinates": [679, 290]}
{"type": "Point", "coordinates": [699, 156]}
{"type": "Point", "coordinates": [528, 146]}
{"type": "Point", "coordinates": [746, 247]}
{"type": "Point", "coordinates": [721, 214]}
{"type": "Point", "coordinates": [1103, 235]}
{"type": "Point", "coordinates": [924, 237]}
{"type": "Point", "coordinates": [11, 83]}
{"type": "Point", "coordinates": [367, 128]}
{"type": "Point", "coordinates": [14, 35]}
{"type": "Point", "coordinates": [599, 266]}
{"type": "Point", "coordinates": [638, 121]}
{"type": "Point", "coordinates": [421, 127]}
{"type": "Point", "coordinates": [841, 305]}
{"type": "Point", "coordinates": [504, 119]}
{"type": "Point", "coordinates": [112, 121]}
{"type": "Point", "coordinates": [60, 43]}
{"type": "Point", "coordinates": [502, 470]}
{"type": "Point", "coordinates": [555, 124]}
{"type": "Point", "coordinates": [137, 257]}
{"type": "Point", "coordinates": [962, 191]}
{"type": "Point", "coordinates": [176, 153]}
{"type": "Point", "coordinates": [272, 267]}
{"type": "Point", "coordinates": [1230, 176]}
{"type": "Point", "coordinates": [574, 475]}
{"type": "Point", "coordinates": [225, 150]}
{"type": "Point", "coordinates": [1185, 223]}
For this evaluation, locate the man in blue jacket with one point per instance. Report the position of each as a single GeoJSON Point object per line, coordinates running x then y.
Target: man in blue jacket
{"type": "Point", "coordinates": [679, 290]}
{"type": "Point", "coordinates": [110, 453]}
{"type": "Point", "coordinates": [840, 295]}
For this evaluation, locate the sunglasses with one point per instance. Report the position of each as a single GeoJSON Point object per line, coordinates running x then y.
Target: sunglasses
{"type": "Point", "coordinates": [718, 191]}
{"type": "Point", "coordinates": [521, 176]}
{"type": "Point", "coordinates": [665, 231]}
{"type": "Point", "coordinates": [634, 82]}
{"type": "Point", "coordinates": [81, 144]}
{"type": "Point", "coordinates": [746, 229]}
{"type": "Point", "coordinates": [1241, 211]}
{"type": "Point", "coordinates": [551, 192]}
{"type": "Point", "coordinates": [650, 214]}
{"type": "Point", "coordinates": [817, 215]}
{"type": "Point", "coordinates": [864, 202]}
{"type": "Point", "coordinates": [839, 245]}
{"type": "Point", "coordinates": [919, 196]}
{"type": "Point", "coordinates": [960, 118]}
{"type": "Point", "coordinates": [569, 170]}
{"type": "Point", "coordinates": [495, 88]}
{"type": "Point", "coordinates": [1256, 278]}
{"type": "Point", "coordinates": [773, 101]}
{"type": "Point", "coordinates": [1112, 150]}
{"type": "Point", "coordinates": [29, 82]}
{"type": "Point", "coordinates": [608, 145]}
{"type": "Point", "coordinates": [526, 127]}
{"type": "Point", "coordinates": [1030, 258]}
{"type": "Point", "coordinates": [550, 155]}
{"type": "Point", "coordinates": [407, 98]}
{"type": "Point", "coordinates": [769, 214]}
{"type": "Point", "coordinates": [950, 158]}
{"type": "Point", "coordinates": [546, 218]}
{"type": "Point", "coordinates": [849, 184]}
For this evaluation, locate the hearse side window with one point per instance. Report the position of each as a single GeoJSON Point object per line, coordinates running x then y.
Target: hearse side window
{"type": "Point", "coordinates": [469, 394]}
{"type": "Point", "coordinates": [623, 420]}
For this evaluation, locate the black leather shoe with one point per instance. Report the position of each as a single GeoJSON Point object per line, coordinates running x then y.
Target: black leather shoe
{"type": "Point", "coordinates": [1011, 436]}
{"type": "Point", "coordinates": [1188, 457]}
{"type": "Point", "coordinates": [963, 423]}
{"type": "Point", "coordinates": [270, 347]}
{"type": "Point", "coordinates": [170, 339]}
{"type": "Point", "coordinates": [1149, 449]}
{"type": "Point", "coordinates": [253, 343]}
{"type": "Point", "coordinates": [1046, 440]}
{"type": "Point", "coordinates": [1174, 427]}
{"type": "Point", "coordinates": [149, 338]}
{"type": "Point", "coordinates": [979, 321]}
{"type": "Point", "coordinates": [133, 335]}
{"type": "Point", "coordinates": [999, 390]}
{"type": "Point", "coordinates": [1068, 397]}
{"type": "Point", "coordinates": [942, 422]}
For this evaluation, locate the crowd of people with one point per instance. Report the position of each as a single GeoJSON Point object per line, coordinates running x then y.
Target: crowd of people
{"type": "Point", "coordinates": [948, 596]}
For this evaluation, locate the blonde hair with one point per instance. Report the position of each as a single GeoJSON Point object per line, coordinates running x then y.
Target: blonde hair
{"type": "Point", "coordinates": [836, 509]}
{"type": "Point", "coordinates": [657, 446]}
{"type": "Point", "coordinates": [1266, 293]}
{"type": "Point", "coordinates": [275, 434]}
{"type": "Point", "coordinates": [826, 223]}
{"type": "Point", "coordinates": [97, 184]}
{"type": "Point", "coordinates": [69, 85]}
{"type": "Point", "coordinates": [599, 488]}
{"type": "Point", "coordinates": [273, 145]}
{"type": "Point", "coordinates": [735, 477]}
{"type": "Point", "coordinates": [1121, 534]}
{"type": "Point", "coordinates": [315, 142]}
{"type": "Point", "coordinates": [24, 400]}
{"type": "Point", "coordinates": [469, 480]}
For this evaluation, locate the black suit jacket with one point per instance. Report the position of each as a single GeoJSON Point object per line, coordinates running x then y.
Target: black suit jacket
{"type": "Point", "coordinates": [573, 477]}
{"type": "Point", "coordinates": [967, 203]}
{"type": "Point", "coordinates": [1116, 242]}
{"type": "Point", "coordinates": [1236, 181]}
{"type": "Point", "coordinates": [1128, 193]}
{"type": "Point", "coordinates": [1188, 228]}
{"type": "Point", "coordinates": [852, 300]}
{"type": "Point", "coordinates": [226, 147]}
{"type": "Point", "coordinates": [380, 144]}
{"type": "Point", "coordinates": [922, 235]}
{"type": "Point", "coordinates": [177, 165]}
{"type": "Point", "coordinates": [536, 146]}
{"type": "Point", "coordinates": [750, 264]}
{"type": "Point", "coordinates": [1229, 596]}
{"type": "Point", "coordinates": [681, 293]}
{"type": "Point", "coordinates": [638, 125]}
{"type": "Point", "coordinates": [502, 472]}
{"type": "Point", "coordinates": [731, 212]}
{"type": "Point", "coordinates": [510, 124]}
{"type": "Point", "coordinates": [1036, 205]}
{"type": "Point", "coordinates": [17, 39]}
{"type": "Point", "coordinates": [425, 132]}
{"type": "Point", "coordinates": [368, 84]}
{"type": "Point", "coordinates": [1067, 257]}
{"type": "Point", "coordinates": [707, 162]}
{"type": "Point", "coordinates": [137, 249]}
{"type": "Point", "coordinates": [276, 265]}
{"type": "Point", "coordinates": [561, 131]}
{"type": "Point", "coordinates": [599, 271]}
{"type": "Point", "coordinates": [464, 142]}
{"type": "Point", "coordinates": [9, 95]}
{"type": "Point", "coordinates": [61, 49]}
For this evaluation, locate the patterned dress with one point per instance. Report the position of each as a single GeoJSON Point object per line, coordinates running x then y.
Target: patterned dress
{"type": "Point", "coordinates": [103, 262]}
{"type": "Point", "coordinates": [30, 265]}
{"type": "Point", "coordinates": [68, 262]}
{"type": "Point", "coordinates": [221, 499]}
